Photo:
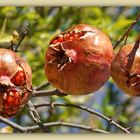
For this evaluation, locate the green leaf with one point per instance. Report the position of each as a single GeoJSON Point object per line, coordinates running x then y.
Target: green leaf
{"type": "Point", "coordinates": [6, 39]}
{"type": "Point", "coordinates": [2, 32]}
{"type": "Point", "coordinates": [123, 119]}
{"type": "Point", "coordinates": [109, 110]}
{"type": "Point", "coordinates": [8, 11]}
{"type": "Point", "coordinates": [120, 24]}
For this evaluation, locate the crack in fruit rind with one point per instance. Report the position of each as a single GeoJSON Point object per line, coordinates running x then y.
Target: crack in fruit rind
{"type": "Point", "coordinates": [15, 83]}
{"type": "Point", "coordinates": [59, 54]}
{"type": "Point", "coordinates": [60, 57]}
{"type": "Point", "coordinates": [68, 35]}
{"type": "Point", "coordinates": [12, 98]}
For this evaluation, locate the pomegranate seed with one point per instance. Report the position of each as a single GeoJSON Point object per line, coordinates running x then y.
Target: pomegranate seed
{"type": "Point", "coordinates": [76, 36]}
{"type": "Point", "coordinates": [80, 34]}
{"type": "Point", "coordinates": [67, 36]}
{"type": "Point", "coordinates": [55, 41]}
{"type": "Point", "coordinates": [9, 99]}
{"type": "Point", "coordinates": [60, 39]}
{"type": "Point", "coordinates": [14, 111]}
{"type": "Point", "coordinates": [21, 74]}
{"type": "Point", "coordinates": [9, 112]}
{"type": "Point", "coordinates": [16, 102]}
{"type": "Point", "coordinates": [71, 38]}
{"type": "Point", "coordinates": [16, 95]}
{"type": "Point", "coordinates": [19, 78]}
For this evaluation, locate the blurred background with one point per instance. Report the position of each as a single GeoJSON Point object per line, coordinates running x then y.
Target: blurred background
{"type": "Point", "coordinates": [109, 100]}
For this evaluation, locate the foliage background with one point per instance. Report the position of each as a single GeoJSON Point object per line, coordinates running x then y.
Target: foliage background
{"type": "Point", "coordinates": [109, 100]}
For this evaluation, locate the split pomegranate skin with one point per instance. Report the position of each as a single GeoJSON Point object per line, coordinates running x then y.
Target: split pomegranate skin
{"type": "Point", "coordinates": [129, 83]}
{"type": "Point", "coordinates": [15, 83]}
{"type": "Point", "coordinates": [78, 60]}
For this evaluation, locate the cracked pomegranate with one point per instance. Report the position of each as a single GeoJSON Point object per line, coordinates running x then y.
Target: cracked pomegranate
{"type": "Point", "coordinates": [15, 83]}
{"type": "Point", "coordinates": [128, 82]}
{"type": "Point", "coordinates": [78, 60]}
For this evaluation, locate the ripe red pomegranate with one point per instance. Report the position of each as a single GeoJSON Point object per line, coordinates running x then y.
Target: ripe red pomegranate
{"type": "Point", "coordinates": [15, 83]}
{"type": "Point", "coordinates": [78, 60]}
{"type": "Point", "coordinates": [128, 82]}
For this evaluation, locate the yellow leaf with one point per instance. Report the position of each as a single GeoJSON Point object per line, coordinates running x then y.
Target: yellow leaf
{"type": "Point", "coordinates": [7, 129]}
{"type": "Point", "coordinates": [6, 39]}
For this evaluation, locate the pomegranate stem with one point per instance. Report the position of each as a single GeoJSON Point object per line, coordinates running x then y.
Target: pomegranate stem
{"type": "Point", "coordinates": [131, 56]}
{"type": "Point", "coordinates": [125, 35]}
{"type": "Point", "coordinates": [24, 34]}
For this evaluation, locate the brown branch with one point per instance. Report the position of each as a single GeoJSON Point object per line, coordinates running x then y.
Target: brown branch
{"type": "Point", "coordinates": [12, 124]}
{"type": "Point", "coordinates": [125, 35]}
{"type": "Point", "coordinates": [61, 123]}
{"type": "Point", "coordinates": [51, 124]}
{"type": "Point", "coordinates": [91, 111]}
{"type": "Point", "coordinates": [67, 124]}
{"type": "Point", "coordinates": [23, 35]}
{"type": "Point", "coordinates": [47, 93]}
{"type": "Point", "coordinates": [36, 118]}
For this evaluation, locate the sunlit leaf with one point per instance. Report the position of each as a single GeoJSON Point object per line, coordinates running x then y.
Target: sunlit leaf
{"type": "Point", "coordinates": [7, 129]}
{"type": "Point", "coordinates": [6, 39]}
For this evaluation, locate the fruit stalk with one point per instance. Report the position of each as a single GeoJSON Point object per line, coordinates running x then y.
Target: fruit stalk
{"type": "Point", "coordinates": [125, 35]}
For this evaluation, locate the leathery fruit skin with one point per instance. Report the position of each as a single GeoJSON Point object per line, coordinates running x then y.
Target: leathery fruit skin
{"type": "Point", "coordinates": [78, 60]}
{"type": "Point", "coordinates": [128, 83]}
{"type": "Point", "coordinates": [15, 83]}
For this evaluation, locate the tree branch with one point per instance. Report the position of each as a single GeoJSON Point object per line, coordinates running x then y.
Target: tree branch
{"type": "Point", "coordinates": [91, 111]}
{"type": "Point", "coordinates": [35, 116]}
{"type": "Point", "coordinates": [125, 35]}
{"type": "Point", "coordinates": [51, 124]}
{"type": "Point", "coordinates": [47, 93]}
{"type": "Point", "coordinates": [23, 35]}
{"type": "Point", "coordinates": [61, 123]}
{"type": "Point", "coordinates": [12, 124]}
{"type": "Point", "coordinates": [67, 124]}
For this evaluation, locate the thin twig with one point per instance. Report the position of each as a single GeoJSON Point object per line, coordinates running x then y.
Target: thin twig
{"type": "Point", "coordinates": [125, 35]}
{"type": "Point", "coordinates": [51, 124]}
{"type": "Point", "coordinates": [47, 93]}
{"type": "Point", "coordinates": [24, 34]}
{"type": "Point", "coordinates": [35, 116]}
{"type": "Point", "coordinates": [12, 124]}
{"type": "Point", "coordinates": [91, 111]}
{"type": "Point", "coordinates": [27, 30]}
{"type": "Point", "coordinates": [67, 124]}
{"type": "Point", "coordinates": [46, 84]}
{"type": "Point", "coordinates": [61, 123]}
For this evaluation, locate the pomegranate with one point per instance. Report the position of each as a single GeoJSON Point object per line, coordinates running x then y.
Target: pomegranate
{"type": "Point", "coordinates": [127, 81]}
{"type": "Point", "coordinates": [15, 83]}
{"type": "Point", "coordinates": [78, 60]}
